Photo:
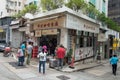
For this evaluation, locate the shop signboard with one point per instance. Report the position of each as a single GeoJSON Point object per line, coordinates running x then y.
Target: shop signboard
{"type": "Point", "coordinates": [80, 24]}
{"type": "Point", "coordinates": [38, 33]}
{"type": "Point", "coordinates": [49, 24]}
{"type": "Point", "coordinates": [101, 37]}
{"type": "Point", "coordinates": [49, 32]}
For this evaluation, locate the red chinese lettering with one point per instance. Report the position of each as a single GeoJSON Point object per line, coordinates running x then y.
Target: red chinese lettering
{"type": "Point", "coordinates": [56, 23]}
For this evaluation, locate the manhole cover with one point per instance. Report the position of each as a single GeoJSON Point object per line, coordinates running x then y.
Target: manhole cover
{"type": "Point", "coordinates": [62, 77]}
{"type": "Point", "coordinates": [14, 64]}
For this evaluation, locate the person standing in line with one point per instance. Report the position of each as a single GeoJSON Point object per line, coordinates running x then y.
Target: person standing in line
{"type": "Point", "coordinates": [29, 52]}
{"type": "Point", "coordinates": [60, 54]}
{"type": "Point", "coordinates": [40, 49]}
{"type": "Point", "coordinates": [113, 61]}
{"type": "Point", "coordinates": [23, 49]}
{"type": "Point", "coordinates": [42, 60]}
{"type": "Point", "coordinates": [20, 57]}
{"type": "Point", "coordinates": [45, 48]}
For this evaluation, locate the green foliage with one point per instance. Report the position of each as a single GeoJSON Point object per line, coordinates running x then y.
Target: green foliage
{"type": "Point", "coordinates": [51, 4]}
{"type": "Point", "coordinates": [111, 24]}
{"type": "Point", "coordinates": [101, 17]}
{"type": "Point", "coordinates": [28, 9]}
{"type": "Point", "coordinates": [76, 4]}
{"type": "Point", "coordinates": [90, 9]}
{"type": "Point", "coordinates": [69, 53]}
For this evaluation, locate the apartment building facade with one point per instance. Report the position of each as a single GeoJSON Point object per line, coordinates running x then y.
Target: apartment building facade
{"type": "Point", "coordinates": [114, 10]}
{"type": "Point", "coordinates": [8, 8]}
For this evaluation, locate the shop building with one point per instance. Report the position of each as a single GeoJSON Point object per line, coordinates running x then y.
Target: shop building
{"type": "Point", "coordinates": [65, 26]}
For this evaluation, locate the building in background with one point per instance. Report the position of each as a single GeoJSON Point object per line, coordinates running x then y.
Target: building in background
{"type": "Point", "coordinates": [114, 10]}
{"type": "Point", "coordinates": [36, 2]}
{"type": "Point", "coordinates": [114, 14]}
{"type": "Point", "coordinates": [8, 8]}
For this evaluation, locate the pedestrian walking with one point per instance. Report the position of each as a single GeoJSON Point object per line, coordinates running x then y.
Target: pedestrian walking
{"type": "Point", "coordinates": [42, 60]}
{"type": "Point", "coordinates": [29, 52]}
{"type": "Point", "coordinates": [113, 61]}
{"type": "Point", "coordinates": [20, 56]}
{"type": "Point", "coordinates": [60, 54]}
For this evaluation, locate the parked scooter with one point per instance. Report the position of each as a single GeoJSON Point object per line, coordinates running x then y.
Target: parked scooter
{"type": "Point", "coordinates": [7, 52]}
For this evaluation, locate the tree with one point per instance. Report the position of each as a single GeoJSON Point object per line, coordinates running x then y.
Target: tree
{"type": "Point", "coordinates": [111, 24]}
{"type": "Point", "coordinates": [51, 4]}
{"type": "Point", "coordinates": [76, 4]}
{"type": "Point", "coordinates": [27, 9]}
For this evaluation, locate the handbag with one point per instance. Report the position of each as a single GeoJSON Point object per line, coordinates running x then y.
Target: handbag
{"type": "Point", "coordinates": [26, 54]}
{"type": "Point", "coordinates": [18, 54]}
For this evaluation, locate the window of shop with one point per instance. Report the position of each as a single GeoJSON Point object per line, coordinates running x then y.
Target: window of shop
{"type": "Point", "coordinates": [81, 41]}
{"type": "Point", "coordinates": [89, 40]}
{"type": "Point", "coordinates": [85, 39]}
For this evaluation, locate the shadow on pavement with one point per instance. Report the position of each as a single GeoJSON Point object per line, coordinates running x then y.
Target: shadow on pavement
{"type": "Point", "coordinates": [14, 64]}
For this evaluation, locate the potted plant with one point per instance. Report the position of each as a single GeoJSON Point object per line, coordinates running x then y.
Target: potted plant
{"type": "Point", "coordinates": [69, 56]}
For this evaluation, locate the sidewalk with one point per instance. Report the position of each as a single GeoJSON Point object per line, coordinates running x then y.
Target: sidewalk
{"type": "Point", "coordinates": [80, 66]}
{"type": "Point", "coordinates": [77, 66]}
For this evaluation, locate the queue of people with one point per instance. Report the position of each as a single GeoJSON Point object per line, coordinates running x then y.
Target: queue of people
{"type": "Point", "coordinates": [25, 50]}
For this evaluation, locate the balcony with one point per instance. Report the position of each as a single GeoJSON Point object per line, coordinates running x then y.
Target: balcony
{"type": "Point", "coordinates": [10, 7]}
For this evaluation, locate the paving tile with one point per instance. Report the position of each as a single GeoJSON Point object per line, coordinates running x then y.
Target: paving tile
{"type": "Point", "coordinates": [26, 75]}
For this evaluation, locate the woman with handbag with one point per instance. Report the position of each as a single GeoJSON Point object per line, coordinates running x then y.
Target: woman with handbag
{"type": "Point", "coordinates": [20, 56]}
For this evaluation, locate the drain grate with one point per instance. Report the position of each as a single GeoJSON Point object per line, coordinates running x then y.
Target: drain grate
{"type": "Point", "coordinates": [62, 77]}
{"type": "Point", "coordinates": [14, 64]}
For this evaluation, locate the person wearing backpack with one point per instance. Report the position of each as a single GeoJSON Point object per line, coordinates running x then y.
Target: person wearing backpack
{"type": "Point", "coordinates": [42, 60]}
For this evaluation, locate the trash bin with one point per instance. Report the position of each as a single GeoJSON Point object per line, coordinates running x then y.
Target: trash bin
{"type": "Point", "coordinates": [52, 63]}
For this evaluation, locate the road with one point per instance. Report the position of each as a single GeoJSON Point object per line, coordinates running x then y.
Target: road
{"type": "Point", "coordinates": [102, 72]}
{"type": "Point", "coordinates": [10, 71]}
{"type": "Point", "coordinates": [5, 73]}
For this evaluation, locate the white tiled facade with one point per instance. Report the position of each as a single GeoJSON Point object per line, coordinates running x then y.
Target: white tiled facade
{"type": "Point", "coordinates": [10, 7]}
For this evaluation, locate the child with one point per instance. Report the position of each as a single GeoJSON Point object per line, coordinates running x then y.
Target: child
{"type": "Point", "coordinates": [20, 56]}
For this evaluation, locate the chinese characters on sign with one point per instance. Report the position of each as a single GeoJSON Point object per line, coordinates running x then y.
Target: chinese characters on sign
{"type": "Point", "coordinates": [46, 25]}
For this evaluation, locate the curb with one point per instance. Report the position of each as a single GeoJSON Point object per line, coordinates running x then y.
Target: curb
{"type": "Point", "coordinates": [82, 69]}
